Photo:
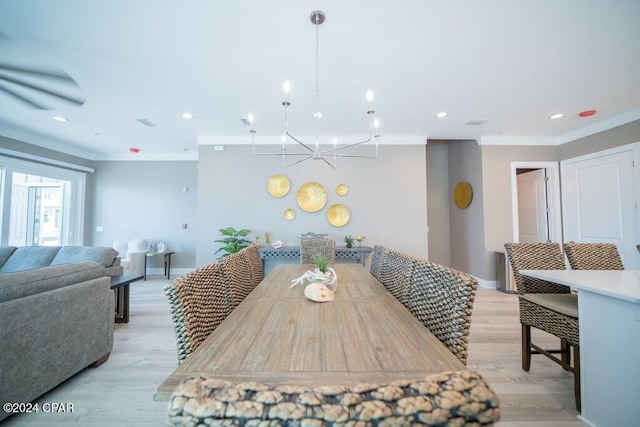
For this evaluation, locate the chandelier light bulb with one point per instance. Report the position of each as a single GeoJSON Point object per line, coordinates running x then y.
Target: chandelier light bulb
{"type": "Point", "coordinates": [376, 124]}
{"type": "Point", "coordinates": [317, 115]}
{"type": "Point", "coordinates": [335, 141]}
{"type": "Point", "coordinates": [369, 96]}
{"type": "Point", "coordinates": [250, 118]}
{"type": "Point", "coordinates": [287, 86]}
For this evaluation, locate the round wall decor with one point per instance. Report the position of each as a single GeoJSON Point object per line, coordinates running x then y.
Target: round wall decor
{"type": "Point", "coordinates": [278, 185]}
{"type": "Point", "coordinates": [342, 189]}
{"type": "Point", "coordinates": [289, 214]}
{"type": "Point", "coordinates": [311, 197]}
{"type": "Point", "coordinates": [463, 194]}
{"type": "Point", "coordinates": [338, 215]}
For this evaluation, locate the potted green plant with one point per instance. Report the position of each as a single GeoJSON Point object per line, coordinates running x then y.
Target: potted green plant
{"type": "Point", "coordinates": [321, 262]}
{"type": "Point", "coordinates": [349, 241]}
{"type": "Point", "coordinates": [232, 240]}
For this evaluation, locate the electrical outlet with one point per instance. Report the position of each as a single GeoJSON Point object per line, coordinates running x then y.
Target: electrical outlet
{"type": "Point", "coordinates": [184, 226]}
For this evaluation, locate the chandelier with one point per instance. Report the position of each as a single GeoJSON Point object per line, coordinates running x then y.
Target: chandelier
{"type": "Point", "coordinates": [313, 151]}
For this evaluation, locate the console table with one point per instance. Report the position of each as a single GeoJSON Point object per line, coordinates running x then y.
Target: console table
{"type": "Point", "coordinates": [344, 255]}
{"type": "Point", "coordinates": [167, 262]}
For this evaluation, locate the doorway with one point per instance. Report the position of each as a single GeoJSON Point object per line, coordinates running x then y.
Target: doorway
{"type": "Point", "coordinates": [535, 191]}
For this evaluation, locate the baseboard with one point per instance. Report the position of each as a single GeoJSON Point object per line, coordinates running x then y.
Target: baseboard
{"type": "Point", "coordinates": [175, 272]}
{"type": "Point", "coordinates": [487, 284]}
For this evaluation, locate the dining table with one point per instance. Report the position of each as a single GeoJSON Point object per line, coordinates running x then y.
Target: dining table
{"type": "Point", "coordinates": [277, 336]}
{"type": "Point", "coordinates": [609, 323]}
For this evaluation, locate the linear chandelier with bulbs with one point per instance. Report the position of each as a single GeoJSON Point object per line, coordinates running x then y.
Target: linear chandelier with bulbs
{"type": "Point", "coordinates": [313, 151]}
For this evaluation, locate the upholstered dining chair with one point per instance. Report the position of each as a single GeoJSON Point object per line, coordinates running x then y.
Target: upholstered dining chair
{"type": "Point", "coordinates": [448, 398]}
{"type": "Point", "coordinates": [198, 303]}
{"type": "Point", "coordinates": [442, 299]}
{"type": "Point", "coordinates": [593, 256]}
{"type": "Point", "coordinates": [395, 274]}
{"type": "Point", "coordinates": [547, 306]}
{"type": "Point", "coordinates": [312, 248]}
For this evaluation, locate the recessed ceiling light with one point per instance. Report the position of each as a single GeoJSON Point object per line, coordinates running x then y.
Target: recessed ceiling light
{"type": "Point", "coordinates": [60, 118]}
{"type": "Point", "coordinates": [556, 116]}
{"type": "Point", "coordinates": [188, 116]}
{"type": "Point", "coordinates": [442, 114]}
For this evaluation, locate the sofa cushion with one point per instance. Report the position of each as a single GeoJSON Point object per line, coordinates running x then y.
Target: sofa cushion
{"type": "Point", "coordinates": [24, 283]}
{"type": "Point", "coordinates": [29, 257]}
{"type": "Point", "coordinates": [5, 253]}
{"type": "Point", "coordinates": [103, 255]}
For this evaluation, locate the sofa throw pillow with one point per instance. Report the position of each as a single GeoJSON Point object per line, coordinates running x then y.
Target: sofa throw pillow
{"type": "Point", "coordinates": [29, 257]}
{"type": "Point", "coordinates": [103, 255]}
{"type": "Point", "coordinates": [5, 253]}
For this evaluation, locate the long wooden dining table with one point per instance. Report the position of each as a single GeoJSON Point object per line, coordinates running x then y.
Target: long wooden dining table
{"type": "Point", "coordinates": [277, 336]}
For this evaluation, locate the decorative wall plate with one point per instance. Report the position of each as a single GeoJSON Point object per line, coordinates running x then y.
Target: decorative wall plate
{"type": "Point", "coordinates": [311, 197]}
{"type": "Point", "coordinates": [289, 214]}
{"type": "Point", "coordinates": [463, 194]}
{"type": "Point", "coordinates": [278, 185]}
{"type": "Point", "coordinates": [338, 215]}
{"type": "Point", "coordinates": [342, 189]}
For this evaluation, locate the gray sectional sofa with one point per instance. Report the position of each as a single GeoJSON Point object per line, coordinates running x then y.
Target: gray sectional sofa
{"type": "Point", "coordinates": [56, 316]}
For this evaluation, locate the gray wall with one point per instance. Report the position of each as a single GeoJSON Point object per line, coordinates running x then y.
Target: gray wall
{"type": "Point", "coordinates": [387, 198]}
{"type": "Point", "coordinates": [146, 200]}
{"type": "Point", "coordinates": [621, 135]}
{"type": "Point", "coordinates": [467, 231]}
{"type": "Point", "coordinates": [438, 201]}
{"type": "Point", "coordinates": [496, 183]}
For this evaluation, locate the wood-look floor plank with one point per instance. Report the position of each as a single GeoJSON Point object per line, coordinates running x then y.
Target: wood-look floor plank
{"type": "Point", "coordinates": [120, 392]}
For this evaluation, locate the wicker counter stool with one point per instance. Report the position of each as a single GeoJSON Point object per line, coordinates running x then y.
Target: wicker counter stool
{"type": "Point", "coordinates": [547, 306]}
{"type": "Point", "coordinates": [198, 305]}
{"type": "Point", "coordinates": [312, 248]}
{"type": "Point", "coordinates": [449, 398]}
{"type": "Point", "coordinates": [593, 256]}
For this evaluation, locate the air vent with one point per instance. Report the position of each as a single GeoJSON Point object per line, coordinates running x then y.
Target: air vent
{"type": "Point", "coordinates": [476, 122]}
{"type": "Point", "coordinates": [146, 122]}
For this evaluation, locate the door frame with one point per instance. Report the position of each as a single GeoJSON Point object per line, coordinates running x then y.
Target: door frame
{"type": "Point", "coordinates": [555, 212]}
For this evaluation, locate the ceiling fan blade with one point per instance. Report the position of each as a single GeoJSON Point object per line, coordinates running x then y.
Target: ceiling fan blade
{"type": "Point", "coordinates": [22, 98]}
{"type": "Point", "coordinates": [64, 97]}
{"type": "Point", "coordinates": [61, 75]}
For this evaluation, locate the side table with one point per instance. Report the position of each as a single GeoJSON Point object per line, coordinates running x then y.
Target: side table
{"type": "Point", "coordinates": [120, 285]}
{"type": "Point", "coordinates": [167, 262]}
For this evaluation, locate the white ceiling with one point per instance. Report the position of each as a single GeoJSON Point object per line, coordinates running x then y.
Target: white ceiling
{"type": "Point", "coordinates": [511, 63]}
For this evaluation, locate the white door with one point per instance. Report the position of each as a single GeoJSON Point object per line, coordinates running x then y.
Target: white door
{"type": "Point", "coordinates": [533, 208]}
{"type": "Point", "coordinates": [599, 201]}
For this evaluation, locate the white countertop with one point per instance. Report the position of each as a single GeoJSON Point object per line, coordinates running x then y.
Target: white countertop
{"type": "Point", "coordinates": [620, 284]}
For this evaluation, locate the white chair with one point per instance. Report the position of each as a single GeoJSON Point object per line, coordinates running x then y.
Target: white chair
{"type": "Point", "coordinates": [132, 255]}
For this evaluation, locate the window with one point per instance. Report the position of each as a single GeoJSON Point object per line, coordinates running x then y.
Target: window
{"type": "Point", "coordinates": [41, 205]}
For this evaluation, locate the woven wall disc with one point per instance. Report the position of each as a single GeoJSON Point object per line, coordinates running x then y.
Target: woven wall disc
{"type": "Point", "coordinates": [338, 215]}
{"type": "Point", "coordinates": [278, 185]}
{"type": "Point", "coordinates": [311, 197]}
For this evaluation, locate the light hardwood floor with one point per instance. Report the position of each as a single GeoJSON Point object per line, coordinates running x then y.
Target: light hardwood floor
{"type": "Point", "coordinates": [120, 392]}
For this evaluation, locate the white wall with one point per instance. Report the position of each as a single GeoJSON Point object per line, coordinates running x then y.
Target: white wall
{"type": "Point", "coordinates": [387, 198]}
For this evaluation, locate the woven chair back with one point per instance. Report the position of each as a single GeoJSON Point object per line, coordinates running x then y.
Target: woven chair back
{"type": "Point", "coordinates": [255, 264]}
{"type": "Point", "coordinates": [442, 299]}
{"type": "Point", "coordinates": [237, 277]}
{"type": "Point", "coordinates": [593, 256]}
{"type": "Point", "coordinates": [198, 305]}
{"type": "Point", "coordinates": [448, 398]}
{"type": "Point", "coordinates": [376, 260]}
{"type": "Point", "coordinates": [395, 275]}
{"type": "Point", "coordinates": [311, 248]}
{"type": "Point", "coordinates": [536, 256]}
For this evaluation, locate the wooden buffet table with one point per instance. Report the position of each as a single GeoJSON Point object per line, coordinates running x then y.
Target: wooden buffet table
{"type": "Point", "coordinates": [609, 321]}
{"type": "Point", "coordinates": [277, 336]}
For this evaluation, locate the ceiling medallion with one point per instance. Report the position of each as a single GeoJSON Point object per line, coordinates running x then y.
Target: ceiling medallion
{"type": "Point", "coordinates": [313, 150]}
